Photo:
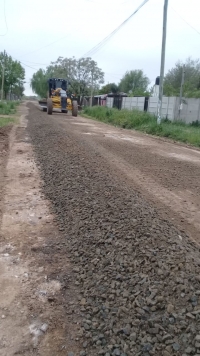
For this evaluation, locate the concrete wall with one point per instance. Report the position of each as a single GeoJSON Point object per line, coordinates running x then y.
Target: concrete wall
{"type": "Point", "coordinates": [190, 110]}
{"type": "Point", "coordinates": [170, 107]}
{"type": "Point", "coordinates": [133, 103]}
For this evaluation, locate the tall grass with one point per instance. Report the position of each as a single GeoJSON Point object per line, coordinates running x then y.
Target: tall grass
{"type": "Point", "coordinates": [8, 107]}
{"type": "Point", "coordinates": [146, 122]}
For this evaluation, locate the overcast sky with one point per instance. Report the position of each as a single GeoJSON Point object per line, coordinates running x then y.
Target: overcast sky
{"type": "Point", "coordinates": [77, 26]}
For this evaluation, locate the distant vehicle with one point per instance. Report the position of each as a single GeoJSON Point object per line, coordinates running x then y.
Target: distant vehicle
{"type": "Point", "coordinates": [59, 98]}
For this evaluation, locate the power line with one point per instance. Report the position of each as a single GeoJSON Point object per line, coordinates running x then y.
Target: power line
{"type": "Point", "coordinates": [22, 62]}
{"type": "Point", "coordinates": [4, 6]}
{"type": "Point", "coordinates": [107, 38]}
{"type": "Point", "coordinates": [26, 64]}
{"type": "Point", "coordinates": [34, 63]}
{"type": "Point", "coordinates": [185, 21]}
{"type": "Point", "coordinates": [59, 39]}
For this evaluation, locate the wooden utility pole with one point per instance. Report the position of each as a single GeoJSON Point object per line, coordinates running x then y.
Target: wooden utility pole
{"type": "Point", "coordinates": [181, 91]}
{"type": "Point", "coordinates": [3, 72]}
{"type": "Point", "coordinates": [92, 87]}
{"type": "Point", "coordinates": [162, 65]}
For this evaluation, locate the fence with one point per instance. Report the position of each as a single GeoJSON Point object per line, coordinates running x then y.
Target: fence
{"type": "Point", "coordinates": [190, 108]}
{"type": "Point", "coordinates": [168, 107]}
{"type": "Point", "coordinates": [133, 103]}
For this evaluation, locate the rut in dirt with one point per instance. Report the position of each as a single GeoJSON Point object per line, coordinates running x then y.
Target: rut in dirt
{"type": "Point", "coordinates": [138, 276]}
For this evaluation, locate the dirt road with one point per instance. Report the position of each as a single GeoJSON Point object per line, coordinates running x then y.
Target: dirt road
{"type": "Point", "coordinates": [105, 232]}
{"type": "Point", "coordinates": [137, 273]}
{"type": "Point", "coordinates": [165, 173]}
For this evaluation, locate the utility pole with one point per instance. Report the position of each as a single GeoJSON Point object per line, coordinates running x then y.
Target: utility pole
{"type": "Point", "coordinates": [92, 87]}
{"type": "Point", "coordinates": [3, 72]}
{"type": "Point", "coordinates": [162, 65]}
{"type": "Point", "coordinates": [181, 91]}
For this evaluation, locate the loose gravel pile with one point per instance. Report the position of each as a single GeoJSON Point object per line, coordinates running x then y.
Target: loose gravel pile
{"type": "Point", "coordinates": [139, 277]}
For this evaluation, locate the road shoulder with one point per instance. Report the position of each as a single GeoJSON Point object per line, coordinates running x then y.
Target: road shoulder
{"type": "Point", "coordinates": [35, 275]}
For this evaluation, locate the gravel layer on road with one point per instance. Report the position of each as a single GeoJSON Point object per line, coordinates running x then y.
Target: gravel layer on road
{"type": "Point", "coordinates": [139, 278]}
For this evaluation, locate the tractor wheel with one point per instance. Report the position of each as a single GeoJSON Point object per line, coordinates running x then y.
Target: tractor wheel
{"type": "Point", "coordinates": [74, 108]}
{"type": "Point", "coordinates": [49, 106]}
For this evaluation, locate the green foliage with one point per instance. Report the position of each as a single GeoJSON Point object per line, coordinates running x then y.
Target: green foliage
{"type": "Point", "coordinates": [81, 73]}
{"type": "Point", "coordinates": [134, 82]}
{"type": "Point", "coordinates": [122, 118]}
{"type": "Point", "coordinates": [39, 83]}
{"type": "Point", "coordinates": [191, 87]}
{"type": "Point", "coordinates": [7, 108]}
{"type": "Point", "coordinates": [139, 93]}
{"type": "Point", "coordinates": [146, 122]}
{"type": "Point", "coordinates": [109, 88]}
{"type": "Point", "coordinates": [14, 75]}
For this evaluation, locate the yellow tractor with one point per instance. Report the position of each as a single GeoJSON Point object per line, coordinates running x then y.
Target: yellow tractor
{"type": "Point", "coordinates": [59, 98]}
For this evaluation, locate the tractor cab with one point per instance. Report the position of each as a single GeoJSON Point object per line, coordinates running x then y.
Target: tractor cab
{"type": "Point", "coordinates": [55, 84]}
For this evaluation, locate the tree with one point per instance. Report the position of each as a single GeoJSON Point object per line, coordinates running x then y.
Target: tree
{"type": "Point", "coordinates": [134, 82]}
{"type": "Point", "coordinates": [172, 81]}
{"type": "Point", "coordinates": [109, 88]}
{"type": "Point", "coordinates": [18, 90]}
{"type": "Point", "coordinates": [14, 75]}
{"type": "Point", "coordinates": [81, 73]}
{"type": "Point", "coordinates": [39, 83]}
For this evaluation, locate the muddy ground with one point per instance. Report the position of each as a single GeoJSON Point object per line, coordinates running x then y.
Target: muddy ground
{"type": "Point", "coordinates": [105, 230]}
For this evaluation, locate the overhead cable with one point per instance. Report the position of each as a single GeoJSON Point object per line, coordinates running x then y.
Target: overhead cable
{"type": "Point", "coordinates": [107, 38]}
{"type": "Point", "coordinates": [185, 21]}
{"type": "Point", "coordinates": [4, 6]}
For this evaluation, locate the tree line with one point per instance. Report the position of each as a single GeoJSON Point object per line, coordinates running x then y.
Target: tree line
{"type": "Point", "coordinates": [136, 83]}
{"type": "Point", "coordinates": [84, 74]}
{"type": "Point", "coordinates": [13, 75]}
